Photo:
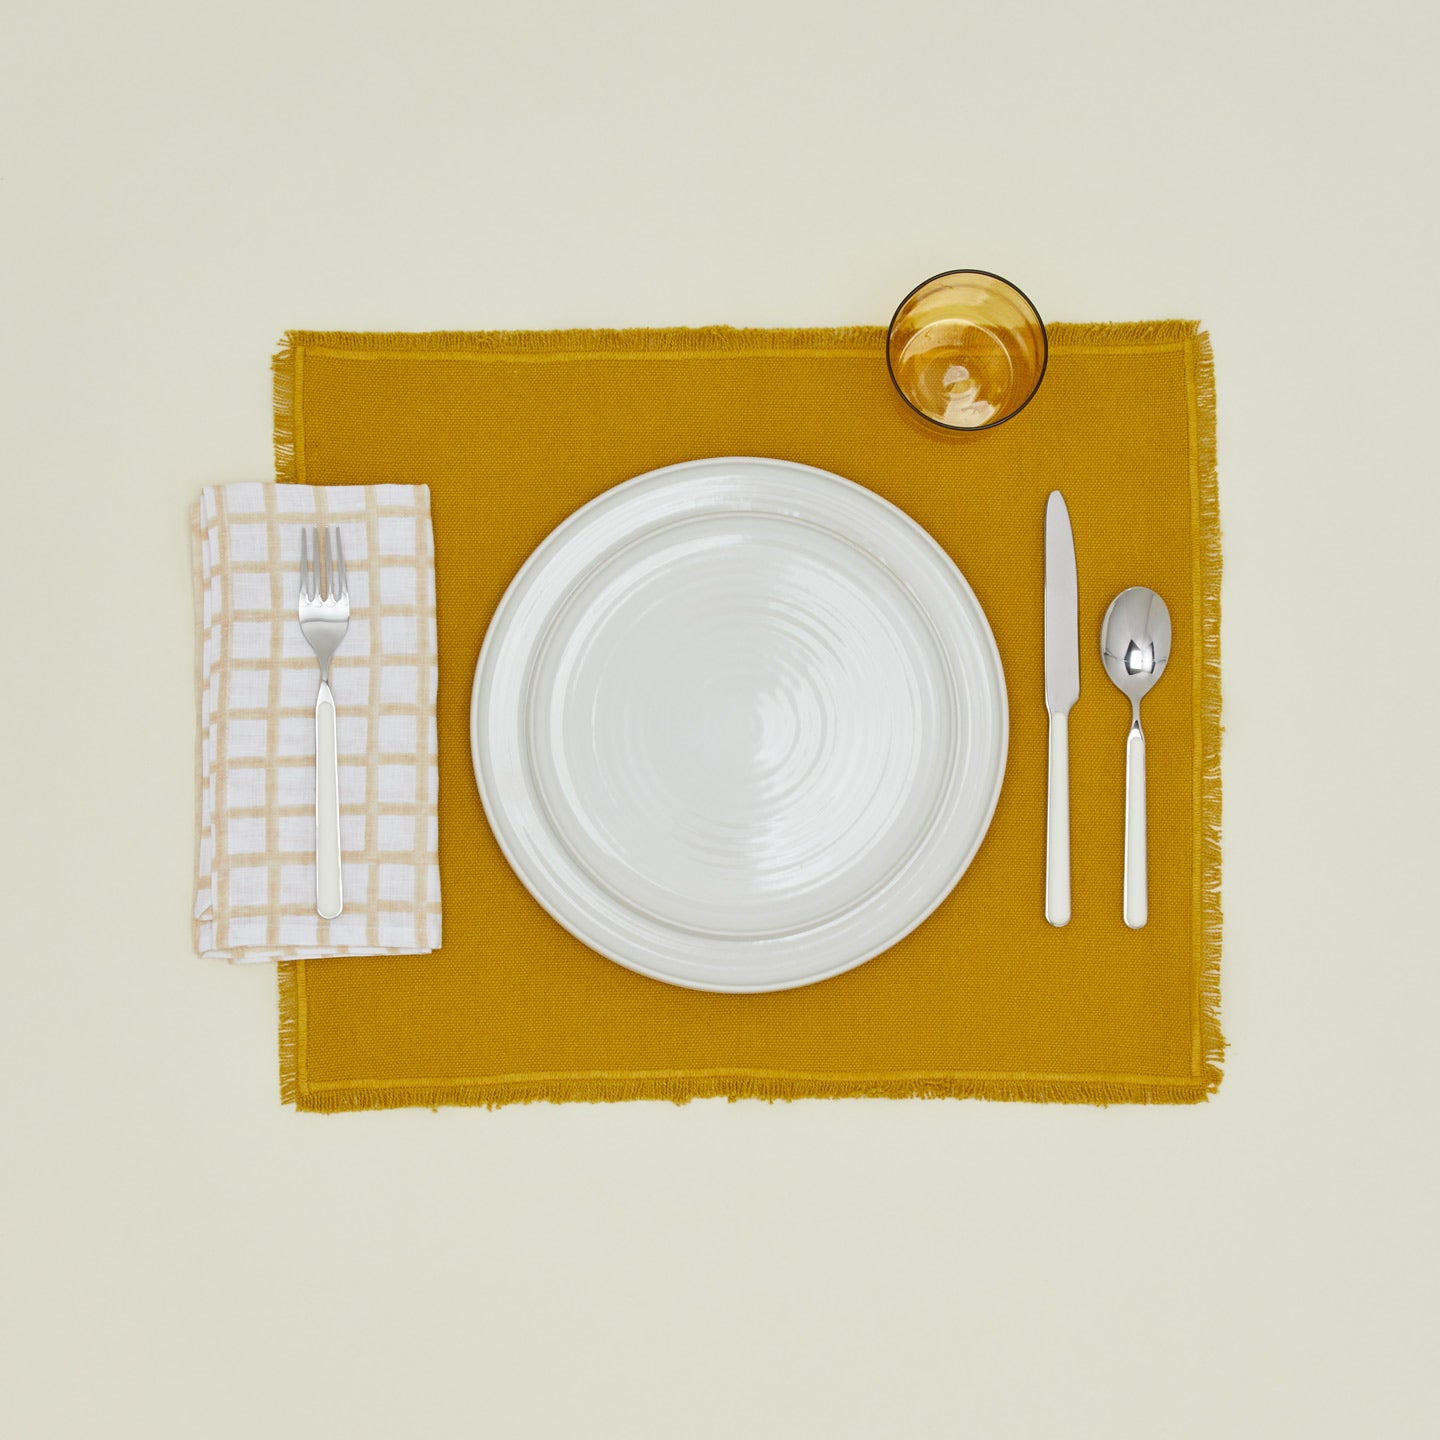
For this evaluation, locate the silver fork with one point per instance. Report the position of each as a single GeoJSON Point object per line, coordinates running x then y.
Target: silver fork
{"type": "Point", "coordinates": [324, 618]}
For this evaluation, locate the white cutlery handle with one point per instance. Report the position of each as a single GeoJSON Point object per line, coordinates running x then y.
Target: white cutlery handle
{"type": "Point", "coordinates": [1057, 824]}
{"type": "Point", "coordinates": [1137, 898]}
{"type": "Point", "coordinates": [328, 900]}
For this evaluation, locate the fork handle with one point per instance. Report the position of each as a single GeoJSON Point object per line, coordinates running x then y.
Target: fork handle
{"type": "Point", "coordinates": [328, 899]}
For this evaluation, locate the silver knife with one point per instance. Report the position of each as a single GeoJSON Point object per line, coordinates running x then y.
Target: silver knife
{"type": "Point", "coordinates": [1062, 690]}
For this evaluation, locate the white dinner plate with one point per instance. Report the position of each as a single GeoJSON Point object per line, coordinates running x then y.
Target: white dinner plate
{"type": "Point", "coordinates": [739, 724]}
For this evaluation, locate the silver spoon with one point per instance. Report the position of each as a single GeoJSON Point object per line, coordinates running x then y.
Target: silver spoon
{"type": "Point", "coordinates": [1135, 644]}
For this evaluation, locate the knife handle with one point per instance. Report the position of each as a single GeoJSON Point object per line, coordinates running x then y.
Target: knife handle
{"type": "Point", "coordinates": [1057, 823]}
{"type": "Point", "coordinates": [1137, 890]}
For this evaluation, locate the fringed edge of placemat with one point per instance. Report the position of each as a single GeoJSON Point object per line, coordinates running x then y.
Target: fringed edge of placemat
{"type": "Point", "coordinates": [1212, 1039]}
{"type": "Point", "coordinates": [282, 379]}
{"type": "Point", "coordinates": [569, 342]}
{"type": "Point", "coordinates": [680, 1088]}
{"type": "Point", "coordinates": [289, 995]}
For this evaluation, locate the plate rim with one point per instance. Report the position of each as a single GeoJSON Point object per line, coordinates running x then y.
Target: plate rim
{"type": "Point", "coordinates": [989, 646]}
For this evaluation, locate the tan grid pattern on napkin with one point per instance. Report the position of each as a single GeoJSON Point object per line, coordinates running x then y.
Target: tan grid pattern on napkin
{"type": "Point", "coordinates": [255, 869]}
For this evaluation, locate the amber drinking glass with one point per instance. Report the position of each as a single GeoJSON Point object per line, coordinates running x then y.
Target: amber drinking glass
{"type": "Point", "coordinates": [966, 349]}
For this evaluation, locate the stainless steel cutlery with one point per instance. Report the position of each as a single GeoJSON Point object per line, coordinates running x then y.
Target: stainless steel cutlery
{"type": "Point", "coordinates": [1135, 646]}
{"type": "Point", "coordinates": [324, 617]}
{"type": "Point", "coordinates": [1062, 690]}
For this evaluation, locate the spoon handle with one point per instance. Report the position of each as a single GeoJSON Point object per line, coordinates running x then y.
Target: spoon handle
{"type": "Point", "coordinates": [1137, 899]}
{"type": "Point", "coordinates": [1057, 826]}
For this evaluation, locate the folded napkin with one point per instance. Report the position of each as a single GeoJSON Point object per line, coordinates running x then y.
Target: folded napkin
{"type": "Point", "coordinates": [257, 681]}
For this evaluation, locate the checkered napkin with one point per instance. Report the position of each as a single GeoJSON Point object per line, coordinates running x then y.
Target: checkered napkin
{"type": "Point", "coordinates": [257, 680]}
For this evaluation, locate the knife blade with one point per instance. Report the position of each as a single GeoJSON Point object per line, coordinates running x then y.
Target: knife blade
{"type": "Point", "coordinates": [1062, 690]}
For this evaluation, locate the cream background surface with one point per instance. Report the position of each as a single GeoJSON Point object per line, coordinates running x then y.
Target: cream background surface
{"type": "Point", "coordinates": [183, 1257]}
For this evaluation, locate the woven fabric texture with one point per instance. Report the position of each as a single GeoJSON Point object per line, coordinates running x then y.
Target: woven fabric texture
{"type": "Point", "coordinates": [257, 680]}
{"type": "Point", "coordinates": [511, 432]}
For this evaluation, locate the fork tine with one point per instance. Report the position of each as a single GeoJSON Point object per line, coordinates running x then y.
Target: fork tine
{"type": "Point", "coordinates": [343, 593]}
{"type": "Point", "coordinates": [323, 549]}
{"type": "Point", "coordinates": [304, 564]}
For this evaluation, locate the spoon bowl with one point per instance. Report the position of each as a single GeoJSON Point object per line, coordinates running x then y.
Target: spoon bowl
{"type": "Point", "coordinates": [1135, 642]}
{"type": "Point", "coordinates": [1135, 648]}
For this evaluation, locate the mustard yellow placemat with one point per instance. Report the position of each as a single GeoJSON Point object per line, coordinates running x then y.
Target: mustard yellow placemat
{"type": "Point", "coordinates": [512, 431]}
